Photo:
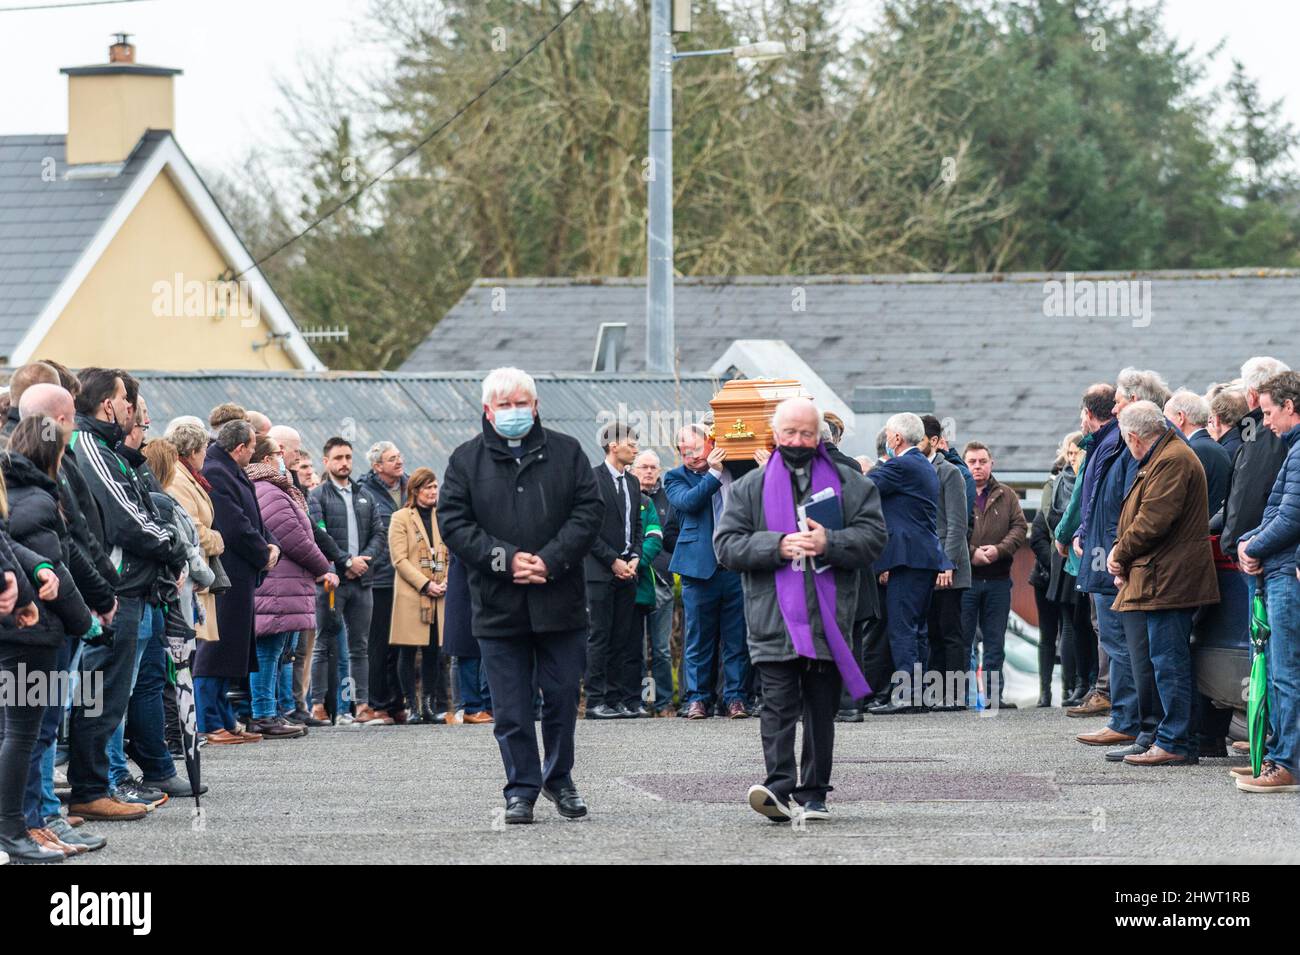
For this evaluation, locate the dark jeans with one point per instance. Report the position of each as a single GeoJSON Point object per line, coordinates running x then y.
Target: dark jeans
{"type": "Point", "coordinates": [352, 603]}
{"type": "Point", "coordinates": [949, 649]}
{"type": "Point", "coordinates": [907, 603]}
{"type": "Point", "coordinates": [89, 735]}
{"type": "Point", "coordinates": [213, 710]}
{"type": "Point", "coordinates": [384, 682]}
{"type": "Point", "coordinates": [473, 685]}
{"type": "Point", "coordinates": [985, 608]}
{"type": "Point", "coordinates": [1123, 691]}
{"type": "Point", "coordinates": [1167, 634]}
{"type": "Point", "coordinates": [49, 732]}
{"type": "Point", "coordinates": [807, 690]}
{"type": "Point", "coordinates": [614, 647]}
{"type": "Point", "coordinates": [20, 725]}
{"type": "Point", "coordinates": [1139, 636]}
{"type": "Point", "coordinates": [561, 658]}
{"type": "Point", "coordinates": [429, 673]}
{"type": "Point", "coordinates": [1283, 592]}
{"type": "Point", "coordinates": [145, 716]}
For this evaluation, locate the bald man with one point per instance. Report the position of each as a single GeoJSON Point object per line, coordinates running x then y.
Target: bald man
{"type": "Point", "coordinates": [260, 422]}
{"type": "Point", "coordinates": [24, 378]}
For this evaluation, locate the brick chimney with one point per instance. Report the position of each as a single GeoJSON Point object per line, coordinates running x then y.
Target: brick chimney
{"type": "Point", "coordinates": [111, 105]}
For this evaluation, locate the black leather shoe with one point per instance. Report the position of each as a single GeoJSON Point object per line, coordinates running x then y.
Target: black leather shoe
{"type": "Point", "coordinates": [567, 801]}
{"type": "Point", "coordinates": [890, 708]}
{"type": "Point", "coordinates": [174, 786]}
{"type": "Point", "coordinates": [628, 712]}
{"type": "Point", "coordinates": [605, 712]}
{"type": "Point", "coordinates": [304, 718]}
{"type": "Point", "coordinates": [1044, 700]}
{"type": "Point", "coordinates": [848, 716]}
{"type": "Point", "coordinates": [518, 811]}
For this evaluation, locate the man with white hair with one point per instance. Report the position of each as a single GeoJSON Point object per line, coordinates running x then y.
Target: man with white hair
{"type": "Point", "coordinates": [386, 482]}
{"type": "Point", "coordinates": [1164, 570]}
{"type": "Point", "coordinates": [520, 507]}
{"type": "Point", "coordinates": [1190, 414]}
{"type": "Point", "coordinates": [713, 600]}
{"type": "Point", "coordinates": [1256, 465]}
{"type": "Point", "coordinates": [801, 578]}
{"type": "Point", "coordinates": [659, 620]}
{"type": "Point", "coordinates": [912, 558]}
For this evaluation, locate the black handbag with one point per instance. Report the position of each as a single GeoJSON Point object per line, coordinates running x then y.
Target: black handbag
{"type": "Point", "coordinates": [221, 582]}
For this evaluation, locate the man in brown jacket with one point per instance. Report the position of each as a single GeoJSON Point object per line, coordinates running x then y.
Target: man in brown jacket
{"type": "Point", "coordinates": [1000, 531]}
{"type": "Point", "coordinates": [1164, 570]}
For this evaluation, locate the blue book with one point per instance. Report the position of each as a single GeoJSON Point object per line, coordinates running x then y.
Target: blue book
{"type": "Point", "coordinates": [824, 508]}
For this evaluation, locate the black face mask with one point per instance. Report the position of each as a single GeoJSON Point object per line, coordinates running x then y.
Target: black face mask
{"type": "Point", "coordinates": [797, 457]}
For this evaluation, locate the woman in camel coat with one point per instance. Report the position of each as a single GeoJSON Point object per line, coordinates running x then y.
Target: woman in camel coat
{"type": "Point", "coordinates": [188, 487]}
{"type": "Point", "coordinates": [419, 589]}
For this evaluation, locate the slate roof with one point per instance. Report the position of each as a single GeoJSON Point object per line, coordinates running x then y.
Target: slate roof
{"type": "Point", "coordinates": [1005, 372]}
{"type": "Point", "coordinates": [426, 415]}
{"type": "Point", "coordinates": [46, 224]}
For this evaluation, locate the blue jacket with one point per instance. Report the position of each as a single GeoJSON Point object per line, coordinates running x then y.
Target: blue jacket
{"type": "Point", "coordinates": [1106, 443]}
{"type": "Point", "coordinates": [691, 495]}
{"type": "Point", "coordinates": [909, 494]}
{"type": "Point", "coordinates": [1112, 473]}
{"type": "Point", "coordinates": [1217, 463]}
{"type": "Point", "coordinates": [1274, 541]}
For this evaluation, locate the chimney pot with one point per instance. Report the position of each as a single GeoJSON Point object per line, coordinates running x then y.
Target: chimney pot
{"type": "Point", "coordinates": [122, 50]}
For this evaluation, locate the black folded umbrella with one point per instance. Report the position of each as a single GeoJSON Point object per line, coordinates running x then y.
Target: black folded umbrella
{"type": "Point", "coordinates": [181, 643]}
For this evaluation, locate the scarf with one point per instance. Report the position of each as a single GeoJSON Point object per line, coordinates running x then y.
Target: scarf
{"type": "Point", "coordinates": [791, 597]}
{"type": "Point", "coordinates": [198, 476]}
{"type": "Point", "coordinates": [266, 471]}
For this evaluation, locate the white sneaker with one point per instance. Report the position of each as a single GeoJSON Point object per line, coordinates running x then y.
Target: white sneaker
{"type": "Point", "coordinates": [344, 719]}
{"type": "Point", "coordinates": [61, 777]}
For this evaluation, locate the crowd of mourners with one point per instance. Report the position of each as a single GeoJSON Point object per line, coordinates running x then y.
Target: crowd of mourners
{"type": "Point", "coordinates": [533, 586]}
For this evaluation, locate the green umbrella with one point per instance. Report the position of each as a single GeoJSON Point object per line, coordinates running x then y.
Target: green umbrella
{"type": "Point", "coordinates": [1257, 705]}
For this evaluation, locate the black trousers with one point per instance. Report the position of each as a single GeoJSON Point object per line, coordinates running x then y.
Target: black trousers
{"type": "Point", "coordinates": [430, 671]}
{"type": "Point", "coordinates": [949, 646]}
{"type": "Point", "coordinates": [795, 690]}
{"type": "Point", "coordinates": [382, 658]}
{"type": "Point", "coordinates": [878, 659]}
{"type": "Point", "coordinates": [560, 658]}
{"type": "Point", "coordinates": [1049, 627]}
{"type": "Point", "coordinates": [20, 725]}
{"type": "Point", "coordinates": [614, 647]}
{"type": "Point", "coordinates": [1085, 643]}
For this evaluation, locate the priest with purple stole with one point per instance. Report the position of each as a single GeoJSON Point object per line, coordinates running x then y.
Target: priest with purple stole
{"type": "Point", "coordinates": [800, 576]}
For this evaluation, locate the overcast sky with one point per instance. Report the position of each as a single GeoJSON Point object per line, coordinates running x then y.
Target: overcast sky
{"type": "Point", "coordinates": [234, 51]}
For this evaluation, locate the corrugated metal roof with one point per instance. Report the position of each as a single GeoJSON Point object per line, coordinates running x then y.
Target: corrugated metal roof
{"type": "Point", "coordinates": [428, 415]}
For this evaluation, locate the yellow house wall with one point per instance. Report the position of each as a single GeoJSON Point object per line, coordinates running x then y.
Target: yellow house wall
{"type": "Point", "coordinates": [107, 115]}
{"type": "Point", "coordinates": [126, 313]}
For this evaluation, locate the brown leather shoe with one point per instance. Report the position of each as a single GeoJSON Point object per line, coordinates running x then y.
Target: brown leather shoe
{"type": "Point", "coordinates": [106, 807]}
{"type": "Point", "coordinates": [1275, 780]}
{"type": "Point", "coordinates": [1248, 770]}
{"type": "Point", "coordinates": [247, 735]}
{"type": "Point", "coordinates": [737, 711]}
{"type": "Point", "coordinates": [371, 717]}
{"type": "Point", "coordinates": [223, 737]}
{"type": "Point", "coordinates": [667, 712]}
{"type": "Point", "coordinates": [697, 711]}
{"type": "Point", "coordinates": [1156, 756]}
{"type": "Point", "coordinates": [1094, 705]}
{"type": "Point", "coordinates": [481, 717]}
{"type": "Point", "coordinates": [318, 712]}
{"type": "Point", "coordinates": [1104, 737]}
{"type": "Point", "coordinates": [275, 729]}
{"type": "Point", "coordinates": [44, 837]}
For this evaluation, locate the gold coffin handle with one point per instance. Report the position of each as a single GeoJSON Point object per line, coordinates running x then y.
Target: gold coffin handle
{"type": "Point", "coordinates": [737, 431]}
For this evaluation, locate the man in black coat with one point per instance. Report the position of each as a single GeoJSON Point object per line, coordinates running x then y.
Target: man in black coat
{"type": "Point", "coordinates": [1190, 413]}
{"type": "Point", "coordinates": [1255, 466]}
{"type": "Point", "coordinates": [519, 505]}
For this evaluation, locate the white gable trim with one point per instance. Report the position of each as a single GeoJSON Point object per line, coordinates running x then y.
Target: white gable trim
{"type": "Point", "coordinates": [168, 156]}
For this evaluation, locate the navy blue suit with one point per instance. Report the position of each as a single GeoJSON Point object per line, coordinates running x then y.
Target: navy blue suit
{"type": "Point", "coordinates": [1217, 462]}
{"type": "Point", "coordinates": [909, 495]}
{"type": "Point", "coordinates": [712, 599]}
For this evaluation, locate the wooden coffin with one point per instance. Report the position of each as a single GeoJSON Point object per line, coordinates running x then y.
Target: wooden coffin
{"type": "Point", "coordinates": [742, 414]}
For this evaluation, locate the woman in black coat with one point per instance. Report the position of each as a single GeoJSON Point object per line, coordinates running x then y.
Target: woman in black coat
{"type": "Point", "coordinates": [458, 641]}
{"type": "Point", "coordinates": [250, 552]}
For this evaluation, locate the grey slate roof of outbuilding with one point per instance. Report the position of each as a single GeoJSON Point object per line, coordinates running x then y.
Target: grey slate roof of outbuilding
{"type": "Point", "coordinates": [1003, 371]}
{"type": "Point", "coordinates": [426, 415]}
{"type": "Point", "coordinates": [47, 221]}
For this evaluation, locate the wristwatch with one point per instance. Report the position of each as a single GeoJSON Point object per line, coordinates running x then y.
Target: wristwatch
{"type": "Point", "coordinates": [347, 563]}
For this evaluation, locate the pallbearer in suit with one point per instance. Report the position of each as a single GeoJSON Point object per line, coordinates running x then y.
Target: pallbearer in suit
{"type": "Point", "coordinates": [614, 646]}
{"type": "Point", "coordinates": [712, 599]}
{"type": "Point", "coordinates": [909, 489]}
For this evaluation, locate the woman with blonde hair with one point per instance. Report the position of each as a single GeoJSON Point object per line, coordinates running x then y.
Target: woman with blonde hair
{"type": "Point", "coordinates": [419, 590]}
{"type": "Point", "coordinates": [190, 489]}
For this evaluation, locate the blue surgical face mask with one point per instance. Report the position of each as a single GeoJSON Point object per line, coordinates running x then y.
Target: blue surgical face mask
{"type": "Point", "coordinates": [513, 422]}
{"type": "Point", "coordinates": [283, 469]}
